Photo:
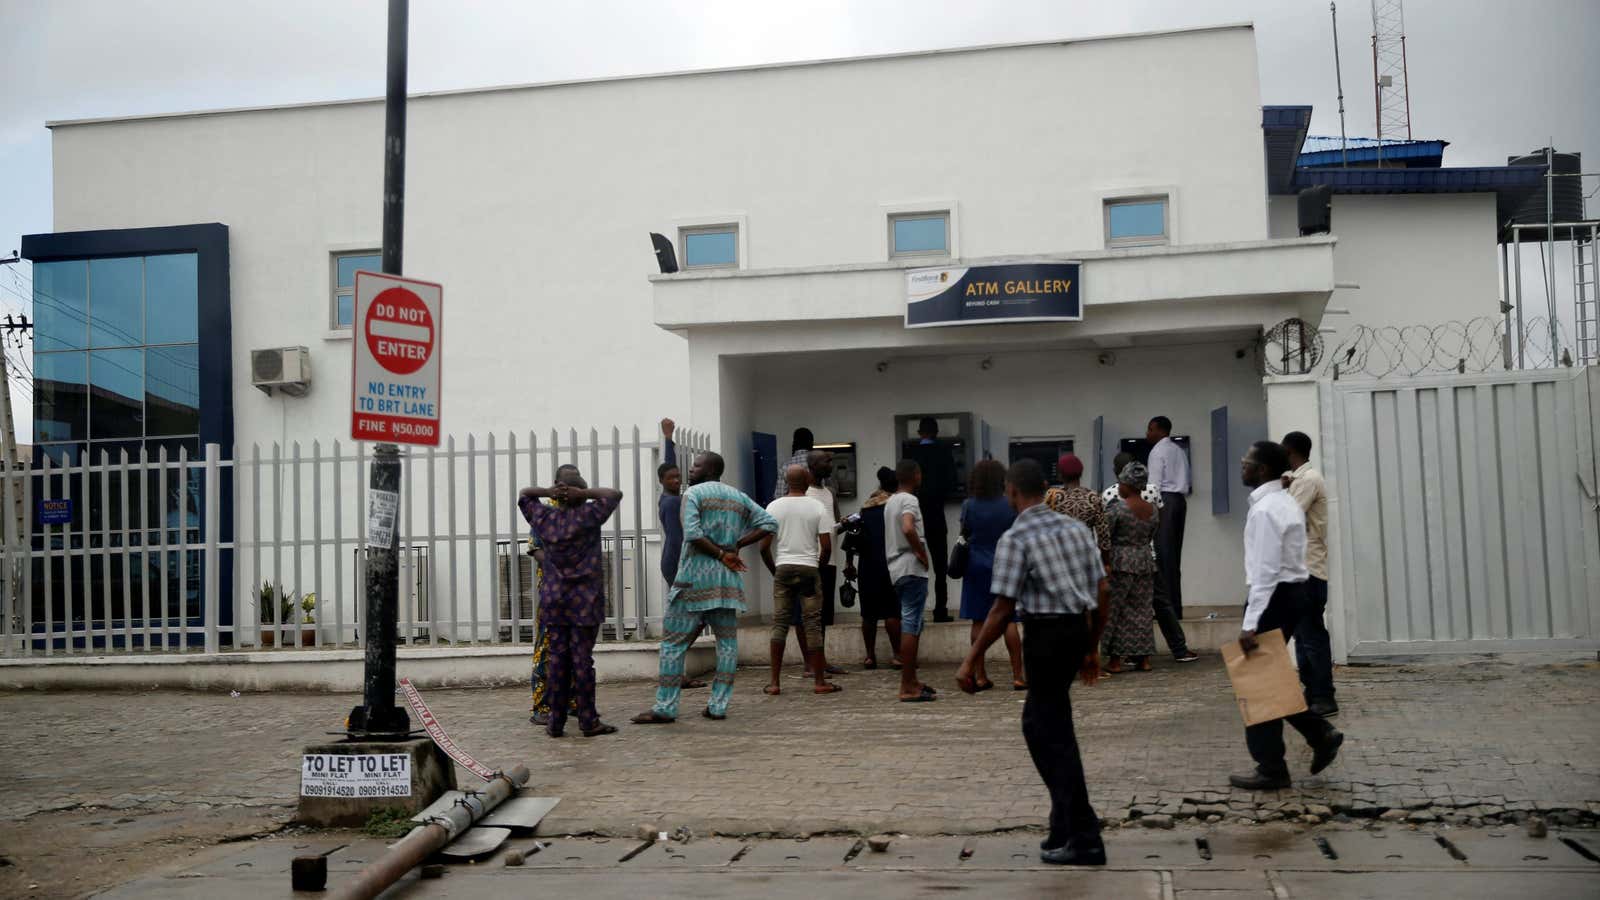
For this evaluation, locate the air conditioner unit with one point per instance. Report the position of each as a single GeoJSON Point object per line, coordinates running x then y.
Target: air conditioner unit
{"type": "Point", "coordinates": [286, 369]}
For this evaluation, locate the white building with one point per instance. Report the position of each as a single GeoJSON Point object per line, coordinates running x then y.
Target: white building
{"type": "Point", "coordinates": [532, 205]}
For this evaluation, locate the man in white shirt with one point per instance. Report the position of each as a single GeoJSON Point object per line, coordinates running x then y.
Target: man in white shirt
{"type": "Point", "coordinates": [1275, 569]}
{"type": "Point", "coordinates": [820, 464]}
{"type": "Point", "coordinates": [1169, 473]}
{"type": "Point", "coordinates": [804, 539]}
{"type": "Point", "coordinates": [907, 554]}
{"type": "Point", "coordinates": [1312, 648]}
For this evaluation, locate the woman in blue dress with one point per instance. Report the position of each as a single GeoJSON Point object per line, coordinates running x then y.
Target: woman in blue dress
{"type": "Point", "coordinates": [985, 516]}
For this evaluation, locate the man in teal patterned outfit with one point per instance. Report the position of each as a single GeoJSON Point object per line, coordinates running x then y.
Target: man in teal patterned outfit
{"type": "Point", "coordinates": [718, 521]}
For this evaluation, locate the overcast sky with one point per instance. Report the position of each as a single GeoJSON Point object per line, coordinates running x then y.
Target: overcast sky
{"type": "Point", "coordinates": [1494, 78]}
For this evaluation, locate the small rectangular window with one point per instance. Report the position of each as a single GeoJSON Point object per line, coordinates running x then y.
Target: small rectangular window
{"type": "Point", "coordinates": [342, 309]}
{"type": "Point", "coordinates": [710, 247]}
{"type": "Point", "coordinates": [919, 234]}
{"type": "Point", "coordinates": [1136, 221]}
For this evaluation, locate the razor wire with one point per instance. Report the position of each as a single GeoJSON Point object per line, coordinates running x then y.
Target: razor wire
{"type": "Point", "coordinates": [1478, 345]}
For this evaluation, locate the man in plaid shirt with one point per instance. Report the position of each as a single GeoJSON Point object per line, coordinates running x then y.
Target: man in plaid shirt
{"type": "Point", "coordinates": [1048, 569]}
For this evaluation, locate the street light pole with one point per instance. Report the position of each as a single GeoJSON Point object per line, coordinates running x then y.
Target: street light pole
{"type": "Point", "coordinates": [378, 715]}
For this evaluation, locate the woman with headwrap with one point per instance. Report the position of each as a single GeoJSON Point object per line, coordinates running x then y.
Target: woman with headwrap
{"type": "Point", "coordinates": [1075, 500]}
{"type": "Point", "coordinates": [1131, 524]}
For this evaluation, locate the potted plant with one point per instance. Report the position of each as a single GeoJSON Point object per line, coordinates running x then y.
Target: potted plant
{"type": "Point", "coordinates": [277, 612]}
{"type": "Point", "coordinates": [308, 620]}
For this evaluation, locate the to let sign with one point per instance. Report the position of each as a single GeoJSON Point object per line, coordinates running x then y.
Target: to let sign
{"type": "Point", "coordinates": [394, 397]}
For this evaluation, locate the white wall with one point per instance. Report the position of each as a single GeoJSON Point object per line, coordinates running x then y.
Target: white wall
{"type": "Point", "coordinates": [1420, 259]}
{"type": "Point", "coordinates": [842, 397]}
{"type": "Point", "coordinates": [532, 205]}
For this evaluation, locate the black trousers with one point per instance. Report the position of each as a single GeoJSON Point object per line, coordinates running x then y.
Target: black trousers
{"type": "Point", "coordinates": [1313, 649]}
{"type": "Point", "coordinates": [938, 541]}
{"type": "Point", "coordinates": [1169, 555]}
{"type": "Point", "coordinates": [1266, 739]}
{"type": "Point", "coordinates": [1052, 651]}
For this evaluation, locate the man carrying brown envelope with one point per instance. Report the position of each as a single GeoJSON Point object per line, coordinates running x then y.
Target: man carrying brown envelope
{"type": "Point", "coordinates": [1275, 568]}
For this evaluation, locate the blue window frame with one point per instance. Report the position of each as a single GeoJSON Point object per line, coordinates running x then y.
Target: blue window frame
{"type": "Point", "coordinates": [710, 247]}
{"type": "Point", "coordinates": [1136, 221]}
{"type": "Point", "coordinates": [919, 234]}
{"type": "Point", "coordinates": [342, 309]}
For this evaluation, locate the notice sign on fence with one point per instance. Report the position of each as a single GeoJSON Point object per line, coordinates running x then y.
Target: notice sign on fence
{"type": "Point", "coordinates": [344, 775]}
{"type": "Point", "coordinates": [395, 394]}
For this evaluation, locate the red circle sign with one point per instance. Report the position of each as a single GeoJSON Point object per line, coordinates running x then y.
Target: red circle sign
{"type": "Point", "coordinates": [399, 331]}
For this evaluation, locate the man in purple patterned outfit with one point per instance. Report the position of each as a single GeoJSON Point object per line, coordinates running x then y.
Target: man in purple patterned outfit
{"type": "Point", "coordinates": [572, 601]}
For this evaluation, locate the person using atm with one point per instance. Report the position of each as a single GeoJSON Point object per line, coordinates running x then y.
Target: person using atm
{"type": "Point", "coordinates": [938, 486]}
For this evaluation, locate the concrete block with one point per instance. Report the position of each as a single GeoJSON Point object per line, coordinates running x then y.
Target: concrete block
{"type": "Point", "coordinates": [432, 773]}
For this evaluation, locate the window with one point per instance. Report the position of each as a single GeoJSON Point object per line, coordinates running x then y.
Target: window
{"type": "Point", "coordinates": [712, 246]}
{"type": "Point", "coordinates": [919, 234]}
{"type": "Point", "coordinates": [1136, 221]}
{"type": "Point", "coordinates": [117, 355]}
{"type": "Point", "coordinates": [342, 309]}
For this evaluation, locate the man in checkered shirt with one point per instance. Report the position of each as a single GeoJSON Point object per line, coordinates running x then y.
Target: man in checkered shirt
{"type": "Point", "coordinates": [1048, 569]}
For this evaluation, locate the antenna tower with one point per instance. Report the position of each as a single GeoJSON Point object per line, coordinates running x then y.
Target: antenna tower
{"type": "Point", "coordinates": [1391, 93]}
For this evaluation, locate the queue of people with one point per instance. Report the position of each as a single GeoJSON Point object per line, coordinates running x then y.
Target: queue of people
{"type": "Point", "coordinates": [1087, 577]}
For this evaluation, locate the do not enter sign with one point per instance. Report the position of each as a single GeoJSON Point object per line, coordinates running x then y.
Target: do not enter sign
{"type": "Point", "coordinates": [394, 395]}
{"type": "Point", "coordinates": [399, 330]}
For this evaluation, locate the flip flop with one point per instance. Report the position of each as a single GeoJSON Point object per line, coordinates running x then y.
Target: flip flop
{"type": "Point", "coordinates": [1019, 685]}
{"type": "Point", "coordinates": [651, 717]}
{"type": "Point", "coordinates": [833, 670]}
{"type": "Point", "coordinates": [927, 696]}
{"type": "Point", "coordinates": [694, 683]}
{"type": "Point", "coordinates": [829, 688]}
{"type": "Point", "coordinates": [895, 664]}
{"type": "Point", "coordinates": [869, 664]}
{"type": "Point", "coordinates": [984, 686]}
{"type": "Point", "coordinates": [772, 690]}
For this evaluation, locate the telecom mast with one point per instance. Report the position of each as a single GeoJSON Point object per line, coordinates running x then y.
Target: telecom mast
{"type": "Point", "coordinates": [1391, 95]}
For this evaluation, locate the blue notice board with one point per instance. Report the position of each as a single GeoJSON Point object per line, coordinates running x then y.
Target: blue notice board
{"type": "Point", "coordinates": [55, 512]}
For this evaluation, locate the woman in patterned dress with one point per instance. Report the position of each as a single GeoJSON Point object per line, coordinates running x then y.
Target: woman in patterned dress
{"type": "Point", "coordinates": [1075, 500]}
{"type": "Point", "coordinates": [1131, 522]}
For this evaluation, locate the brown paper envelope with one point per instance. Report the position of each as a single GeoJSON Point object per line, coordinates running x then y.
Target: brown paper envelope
{"type": "Point", "coordinates": [1264, 681]}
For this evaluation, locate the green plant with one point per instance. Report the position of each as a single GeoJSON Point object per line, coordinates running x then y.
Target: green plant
{"type": "Point", "coordinates": [274, 601]}
{"type": "Point", "coordinates": [308, 603]}
{"type": "Point", "coordinates": [388, 822]}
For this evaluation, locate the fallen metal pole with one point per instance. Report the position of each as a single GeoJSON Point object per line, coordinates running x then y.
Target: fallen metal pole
{"type": "Point", "coordinates": [429, 838]}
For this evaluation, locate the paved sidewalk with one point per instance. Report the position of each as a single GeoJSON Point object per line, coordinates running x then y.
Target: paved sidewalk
{"type": "Point", "coordinates": [1463, 743]}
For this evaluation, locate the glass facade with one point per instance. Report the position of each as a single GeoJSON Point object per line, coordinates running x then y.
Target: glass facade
{"type": "Point", "coordinates": [117, 353]}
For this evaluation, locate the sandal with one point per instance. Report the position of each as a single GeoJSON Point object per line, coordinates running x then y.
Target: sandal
{"type": "Point", "coordinates": [651, 717]}
{"type": "Point", "coordinates": [1019, 685]}
{"type": "Point", "coordinates": [1112, 667]}
{"type": "Point", "coordinates": [772, 690]}
{"type": "Point", "coordinates": [694, 683]}
{"type": "Point", "coordinates": [713, 716]}
{"type": "Point", "coordinates": [984, 686]}
{"type": "Point", "coordinates": [928, 695]}
{"type": "Point", "coordinates": [599, 730]}
{"type": "Point", "coordinates": [895, 664]}
{"type": "Point", "coordinates": [833, 670]}
{"type": "Point", "coordinates": [827, 688]}
{"type": "Point", "coordinates": [869, 664]}
{"type": "Point", "coordinates": [1144, 665]}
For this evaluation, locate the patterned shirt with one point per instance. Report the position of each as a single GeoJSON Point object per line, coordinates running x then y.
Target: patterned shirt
{"type": "Point", "coordinates": [1048, 564]}
{"type": "Point", "coordinates": [572, 584]}
{"type": "Point", "coordinates": [1081, 503]}
{"type": "Point", "coordinates": [1151, 496]}
{"type": "Point", "coordinates": [722, 514]}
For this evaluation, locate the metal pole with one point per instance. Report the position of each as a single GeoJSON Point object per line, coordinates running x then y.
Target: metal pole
{"type": "Point", "coordinates": [425, 840]}
{"type": "Point", "coordinates": [1505, 304]}
{"type": "Point", "coordinates": [1338, 79]}
{"type": "Point", "coordinates": [1550, 236]}
{"type": "Point", "coordinates": [1516, 262]}
{"type": "Point", "coordinates": [378, 715]}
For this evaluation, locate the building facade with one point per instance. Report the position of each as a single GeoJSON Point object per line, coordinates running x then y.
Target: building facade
{"type": "Point", "coordinates": [797, 198]}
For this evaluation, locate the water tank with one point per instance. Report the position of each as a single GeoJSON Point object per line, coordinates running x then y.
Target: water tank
{"type": "Point", "coordinates": [1568, 194]}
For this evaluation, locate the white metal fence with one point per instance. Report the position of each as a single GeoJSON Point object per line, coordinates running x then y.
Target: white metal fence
{"type": "Point", "coordinates": [150, 559]}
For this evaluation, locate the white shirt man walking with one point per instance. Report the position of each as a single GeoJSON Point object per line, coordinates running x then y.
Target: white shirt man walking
{"type": "Point", "coordinates": [1169, 474]}
{"type": "Point", "coordinates": [804, 538]}
{"type": "Point", "coordinates": [1275, 569]}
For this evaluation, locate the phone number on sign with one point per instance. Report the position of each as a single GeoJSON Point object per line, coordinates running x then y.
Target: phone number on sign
{"type": "Point", "coordinates": [400, 789]}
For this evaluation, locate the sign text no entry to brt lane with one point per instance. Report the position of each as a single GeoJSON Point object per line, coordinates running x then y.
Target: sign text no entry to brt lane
{"type": "Point", "coordinates": [394, 396]}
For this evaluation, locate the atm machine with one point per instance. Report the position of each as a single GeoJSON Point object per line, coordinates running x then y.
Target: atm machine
{"type": "Point", "coordinates": [965, 435]}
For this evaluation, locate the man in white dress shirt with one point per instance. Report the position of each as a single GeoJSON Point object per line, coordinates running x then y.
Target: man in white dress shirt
{"type": "Point", "coordinates": [1169, 473]}
{"type": "Point", "coordinates": [1275, 569]}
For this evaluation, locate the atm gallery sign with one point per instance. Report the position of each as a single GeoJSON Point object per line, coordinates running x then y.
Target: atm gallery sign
{"type": "Point", "coordinates": [985, 295]}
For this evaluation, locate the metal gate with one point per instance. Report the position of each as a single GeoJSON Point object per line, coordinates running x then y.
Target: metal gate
{"type": "Point", "coordinates": [1467, 511]}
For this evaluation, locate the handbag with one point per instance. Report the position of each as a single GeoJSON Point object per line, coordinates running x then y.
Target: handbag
{"type": "Point", "coordinates": [847, 594]}
{"type": "Point", "coordinates": [960, 556]}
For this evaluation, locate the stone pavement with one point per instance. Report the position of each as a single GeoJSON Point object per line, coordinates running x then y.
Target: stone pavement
{"type": "Point", "coordinates": [1225, 862]}
{"type": "Point", "coordinates": [1466, 744]}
